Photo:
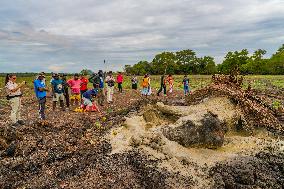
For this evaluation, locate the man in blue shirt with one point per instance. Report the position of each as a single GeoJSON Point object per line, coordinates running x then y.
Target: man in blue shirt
{"type": "Point", "coordinates": [57, 92]}
{"type": "Point", "coordinates": [88, 99]}
{"type": "Point", "coordinates": [40, 91]}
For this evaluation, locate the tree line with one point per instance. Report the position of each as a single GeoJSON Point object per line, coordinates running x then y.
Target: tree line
{"type": "Point", "coordinates": [187, 62]}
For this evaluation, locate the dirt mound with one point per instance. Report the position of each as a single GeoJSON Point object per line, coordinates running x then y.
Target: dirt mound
{"type": "Point", "coordinates": [264, 170]}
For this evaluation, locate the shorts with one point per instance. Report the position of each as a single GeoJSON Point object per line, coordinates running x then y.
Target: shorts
{"type": "Point", "coordinates": [75, 97]}
{"type": "Point", "coordinates": [87, 102]}
{"type": "Point", "coordinates": [58, 96]}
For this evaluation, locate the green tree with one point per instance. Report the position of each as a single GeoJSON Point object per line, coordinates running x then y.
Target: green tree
{"type": "Point", "coordinates": [276, 62]}
{"type": "Point", "coordinates": [164, 61]}
{"type": "Point", "coordinates": [141, 68]}
{"type": "Point", "coordinates": [233, 62]}
{"type": "Point", "coordinates": [186, 61]}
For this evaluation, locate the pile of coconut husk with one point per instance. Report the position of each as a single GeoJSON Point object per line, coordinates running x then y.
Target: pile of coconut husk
{"type": "Point", "coordinates": [257, 112]}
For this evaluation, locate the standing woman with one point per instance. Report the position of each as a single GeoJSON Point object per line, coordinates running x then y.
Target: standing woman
{"type": "Point", "coordinates": [110, 86]}
{"type": "Point", "coordinates": [14, 95]}
{"type": "Point", "coordinates": [119, 80]}
{"type": "Point", "coordinates": [171, 82]}
{"type": "Point", "coordinates": [134, 82]}
{"type": "Point", "coordinates": [145, 85]}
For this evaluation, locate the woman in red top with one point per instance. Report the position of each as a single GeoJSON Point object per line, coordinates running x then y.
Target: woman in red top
{"type": "Point", "coordinates": [84, 84]}
{"type": "Point", "coordinates": [119, 80]}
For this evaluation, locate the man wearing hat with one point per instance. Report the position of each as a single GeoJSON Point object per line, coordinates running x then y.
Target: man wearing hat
{"type": "Point", "coordinates": [40, 91]}
{"type": "Point", "coordinates": [57, 91]}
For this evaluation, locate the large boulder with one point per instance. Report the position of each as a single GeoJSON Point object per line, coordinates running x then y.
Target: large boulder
{"type": "Point", "coordinates": [207, 132]}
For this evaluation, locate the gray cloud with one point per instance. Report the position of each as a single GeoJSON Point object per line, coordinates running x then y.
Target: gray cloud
{"type": "Point", "coordinates": [60, 35]}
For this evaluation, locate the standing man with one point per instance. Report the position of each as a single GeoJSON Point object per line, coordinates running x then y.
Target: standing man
{"type": "Point", "coordinates": [65, 90]}
{"type": "Point", "coordinates": [40, 91]}
{"type": "Point", "coordinates": [101, 92]}
{"type": "Point", "coordinates": [186, 88]}
{"type": "Point", "coordinates": [162, 86]}
{"type": "Point", "coordinates": [58, 92]}
{"type": "Point", "coordinates": [84, 84]}
{"type": "Point", "coordinates": [110, 86]}
{"type": "Point", "coordinates": [119, 80]}
{"type": "Point", "coordinates": [75, 85]}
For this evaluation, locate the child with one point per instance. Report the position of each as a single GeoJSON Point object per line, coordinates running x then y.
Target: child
{"type": "Point", "coordinates": [119, 80]}
{"type": "Point", "coordinates": [40, 91]}
{"type": "Point", "coordinates": [88, 102]}
{"type": "Point", "coordinates": [75, 85]}
{"type": "Point", "coordinates": [170, 80]}
{"type": "Point", "coordinates": [57, 91]}
{"type": "Point", "coordinates": [186, 88]}
{"type": "Point", "coordinates": [110, 86]}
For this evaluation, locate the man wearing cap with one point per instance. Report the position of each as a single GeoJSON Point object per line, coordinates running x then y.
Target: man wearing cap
{"type": "Point", "coordinates": [40, 91]}
{"type": "Point", "coordinates": [57, 92]}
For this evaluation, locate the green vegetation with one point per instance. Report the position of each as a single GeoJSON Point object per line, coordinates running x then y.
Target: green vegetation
{"type": "Point", "coordinates": [186, 62]}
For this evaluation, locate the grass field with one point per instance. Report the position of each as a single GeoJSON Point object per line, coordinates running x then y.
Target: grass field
{"type": "Point", "coordinates": [196, 81]}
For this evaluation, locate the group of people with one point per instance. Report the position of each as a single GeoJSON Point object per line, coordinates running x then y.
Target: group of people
{"type": "Point", "coordinates": [75, 91]}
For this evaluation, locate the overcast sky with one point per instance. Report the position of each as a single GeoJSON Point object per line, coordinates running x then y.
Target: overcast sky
{"type": "Point", "coordinates": [69, 35]}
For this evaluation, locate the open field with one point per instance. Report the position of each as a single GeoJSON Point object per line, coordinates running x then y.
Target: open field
{"type": "Point", "coordinates": [218, 137]}
{"type": "Point", "coordinates": [196, 81]}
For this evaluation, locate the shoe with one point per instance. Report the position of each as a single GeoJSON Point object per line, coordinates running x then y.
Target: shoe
{"type": "Point", "coordinates": [21, 122]}
{"type": "Point", "coordinates": [15, 125]}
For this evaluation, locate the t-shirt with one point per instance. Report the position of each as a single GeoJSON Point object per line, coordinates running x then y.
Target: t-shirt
{"type": "Point", "coordinates": [134, 80]}
{"type": "Point", "coordinates": [75, 85]}
{"type": "Point", "coordinates": [110, 81]}
{"type": "Point", "coordinates": [57, 85]}
{"type": "Point", "coordinates": [10, 86]}
{"type": "Point", "coordinates": [89, 93]}
{"type": "Point", "coordinates": [39, 84]}
{"type": "Point", "coordinates": [145, 82]}
{"type": "Point", "coordinates": [185, 82]}
{"type": "Point", "coordinates": [170, 80]}
{"type": "Point", "coordinates": [119, 78]}
{"type": "Point", "coordinates": [84, 84]}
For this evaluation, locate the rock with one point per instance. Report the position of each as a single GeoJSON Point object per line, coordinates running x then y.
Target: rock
{"type": "Point", "coordinates": [208, 132]}
{"type": "Point", "coordinates": [10, 151]}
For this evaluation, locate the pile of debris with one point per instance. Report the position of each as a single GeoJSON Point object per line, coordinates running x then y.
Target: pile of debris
{"type": "Point", "coordinates": [257, 113]}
